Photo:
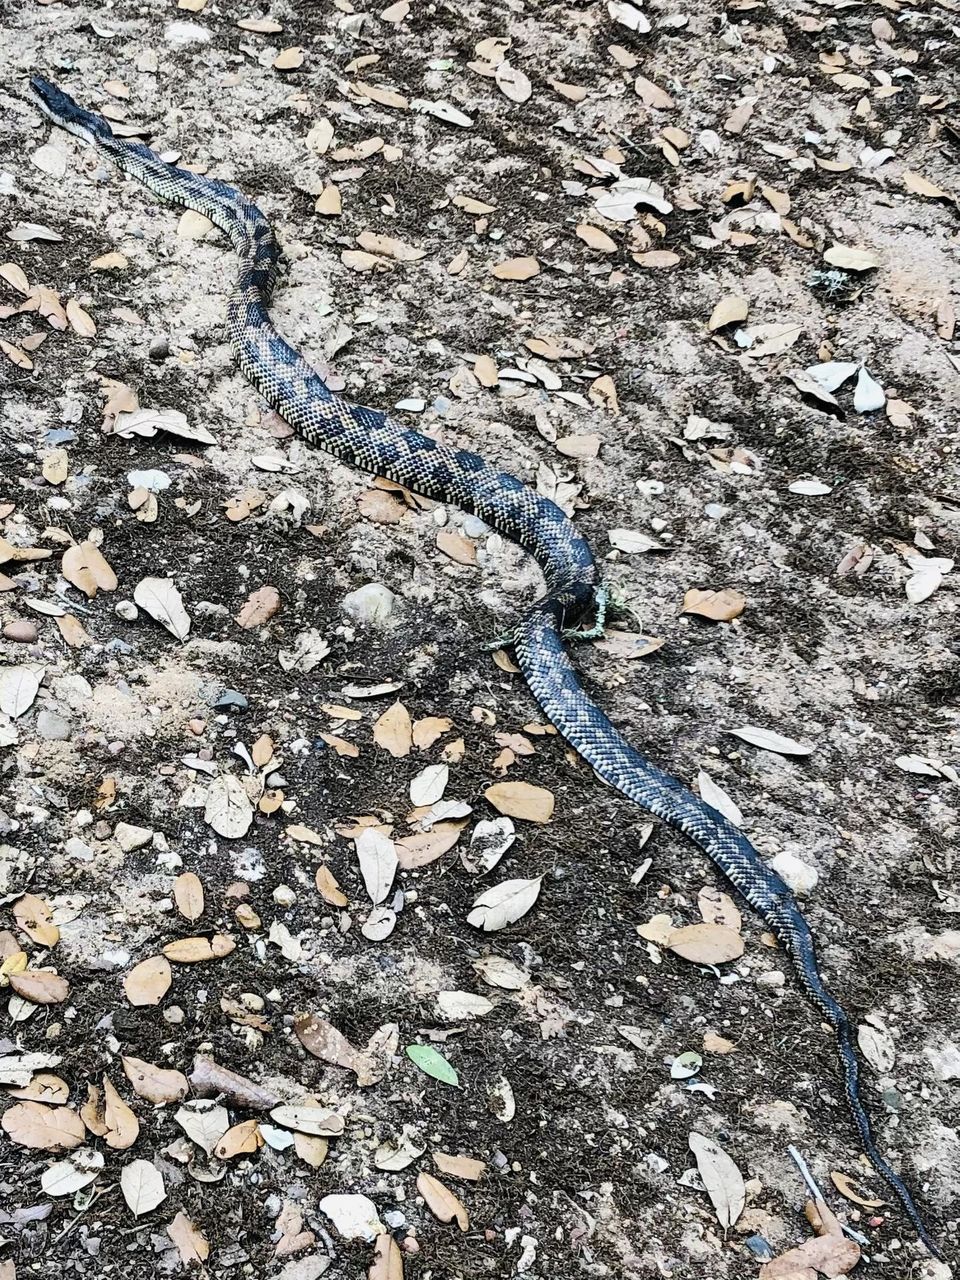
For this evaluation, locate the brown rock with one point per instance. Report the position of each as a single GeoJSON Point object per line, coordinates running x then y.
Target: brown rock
{"type": "Point", "coordinates": [22, 631]}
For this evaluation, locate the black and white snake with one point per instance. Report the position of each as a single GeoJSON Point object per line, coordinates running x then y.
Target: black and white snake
{"type": "Point", "coordinates": [370, 440]}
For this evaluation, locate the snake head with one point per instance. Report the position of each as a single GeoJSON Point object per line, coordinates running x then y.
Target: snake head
{"type": "Point", "coordinates": [63, 111]}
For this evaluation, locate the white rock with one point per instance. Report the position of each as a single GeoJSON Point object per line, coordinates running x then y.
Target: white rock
{"type": "Point", "coordinates": [945, 1060]}
{"type": "Point", "coordinates": [772, 978]}
{"type": "Point", "coordinates": [354, 1216]}
{"type": "Point", "coordinates": [129, 837]}
{"type": "Point", "coordinates": [372, 604]}
{"type": "Point", "coordinates": [179, 33]}
{"type": "Point", "coordinates": [79, 849]}
{"type": "Point", "coordinates": [799, 875]}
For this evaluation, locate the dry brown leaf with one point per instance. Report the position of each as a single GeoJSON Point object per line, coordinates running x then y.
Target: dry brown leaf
{"type": "Point", "coordinates": [43, 1087]}
{"type": "Point", "coordinates": [259, 608]}
{"type": "Point", "coordinates": [429, 729]}
{"type": "Point", "coordinates": [459, 1166]}
{"type": "Point", "coordinates": [829, 1253]}
{"type": "Point", "coordinates": [80, 321]}
{"type": "Point", "coordinates": [652, 95]}
{"type": "Point", "coordinates": [845, 1186]}
{"type": "Point", "coordinates": [110, 262]}
{"type": "Point", "coordinates": [383, 97]}
{"type": "Point", "coordinates": [918, 185]}
{"type": "Point", "coordinates": [33, 916]}
{"type": "Point", "coordinates": [424, 847]}
{"type": "Point", "coordinates": [199, 950]}
{"type": "Point", "coordinates": [55, 466]}
{"type": "Point", "coordinates": [380, 507]}
{"type": "Point", "coordinates": [240, 1140]}
{"type": "Point", "coordinates": [706, 943]}
{"type": "Point", "coordinates": [387, 1259]}
{"type": "Point", "coordinates": [191, 1244]}
{"type": "Point", "coordinates": [15, 355]}
{"type": "Point", "coordinates": [329, 203]}
{"type": "Point", "coordinates": [328, 888]}
{"type": "Point", "coordinates": [31, 1124]}
{"type": "Point", "coordinates": [521, 800]}
{"type": "Point", "coordinates": [85, 568]}
{"type": "Point", "coordinates": [730, 310]}
{"type": "Point", "coordinates": [603, 392]}
{"type": "Point", "coordinates": [460, 549]}
{"type": "Point", "coordinates": [158, 1085]}
{"type": "Point", "coordinates": [72, 631]}
{"type": "Point", "coordinates": [39, 986]}
{"type": "Point", "coordinates": [289, 59]}
{"type": "Point", "coordinates": [713, 1043]}
{"type": "Point", "coordinates": [341, 746]}
{"type": "Point", "coordinates": [657, 259]}
{"type": "Point", "coordinates": [721, 606]}
{"type": "Point", "coordinates": [188, 895]}
{"type": "Point", "coordinates": [262, 26]}
{"type": "Point", "coordinates": [324, 1041]}
{"type": "Point", "coordinates": [15, 276]}
{"type": "Point", "coordinates": [594, 238]}
{"type": "Point", "coordinates": [839, 255]}
{"type": "Point", "coordinates": [121, 1126]}
{"type": "Point", "coordinates": [394, 732]}
{"type": "Point", "coordinates": [148, 982]}
{"type": "Point", "coordinates": [389, 247]}
{"type": "Point", "coordinates": [485, 371]}
{"type": "Point", "coordinates": [717, 907]}
{"type": "Point", "coordinates": [516, 269]}
{"type": "Point", "coordinates": [476, 207]}
{"type": "Point", "coordinates": [441, 1201]}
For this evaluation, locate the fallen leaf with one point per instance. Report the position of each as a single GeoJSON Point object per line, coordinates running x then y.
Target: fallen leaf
{"type": "Point", "coordinates": [160, 598]}
{"type": "Point", "coordinates": [80, 321]}
{"type": "Point", "coordinates": [839, 255]}
{"type": "Point", "coordinates": [142, 1186]}
{"type": "Point", "coordinates": [320, 1122]}
{"type": "Point", "coordinates": [328, 888]}
{"type": "Point", "coordinates": [387, 1261]}
{"type": "Point", "coordinates": [845, 1186]}
{"type": "Point", "coordinates": [121, 1127]}
{"type": "Point", "coordinates": [190, 1242]}
{"type": "Point", "coordinates": [227, 808]}
{"type": "Point", "coordinates": [516, 269]}
{"type": "Point", "coordinates": [69, 1176]}
{"type": "Point", "coordinates": [85, 568]}
{"type": "Point", "coordinates": [521, 800]}
{"type": "Point", "coordinates": [732, 309]}
{"type": "Point", "coordinates": [188, 895]}
{"type": "Point", "coordinates": [721, 1177]}
{"type": "Point", "coordinates": [204, 1121]}
{"type": "Point", "coordinates": [158, 1085]}
{"type": "Point", "coordinates": [459, 1166]}
{"type": "Point", "coordinates": [429, 784]}
{"type": "Point", "coordinates": [33, 916]}
{"type": "Point", "coordinates": [503, 904]}
{"type": "Point", "coordinates": [393, 731]}
{"type": "Point", "coordinates": [31, 1124]}
{"type": "Point", "coordinates": [767, 740]}
{"type": "Point", "coordinates": [441, 1201]}
{"type": "Point", "coordinates": [378, 863]}
{"type": "Point", "coordinates": [918, 185]}
{"type": "Point", "coordinates": [39, 986]}
{"type": "Point", "coordinates": [289, 59]}
{"type": "Point", "coordinates": [325, 1042]}
{"type": "Point", "coordinates": [706, 943]}
{"type": "Point", "coordinates": [19, 687]}
{"type": "Point", "coordinates": [148, 982]}
{"type": "Point", "coordinates": [199, 950]}
{"type": "Point", "coordinates": [432, 1063]}
{"type": "Point", "coordinates": [722, 606]}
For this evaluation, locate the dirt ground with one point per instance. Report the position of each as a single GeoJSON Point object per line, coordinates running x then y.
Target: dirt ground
{"type": "Point", "coordinates": [682, 432]}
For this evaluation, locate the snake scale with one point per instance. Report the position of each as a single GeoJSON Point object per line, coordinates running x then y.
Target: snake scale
{"type": "Point", "coordinates": [370, 440]}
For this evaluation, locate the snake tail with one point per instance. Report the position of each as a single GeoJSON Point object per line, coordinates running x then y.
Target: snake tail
{"type": "Point", "coordinates": [371, 441]}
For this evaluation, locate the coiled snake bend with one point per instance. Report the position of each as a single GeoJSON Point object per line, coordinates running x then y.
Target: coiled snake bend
{"type": "Point", "coordinates": [370, 440]}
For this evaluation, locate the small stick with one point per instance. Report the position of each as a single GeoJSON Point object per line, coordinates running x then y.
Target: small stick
{"type": "Point", "coordinates": [814, 1189]}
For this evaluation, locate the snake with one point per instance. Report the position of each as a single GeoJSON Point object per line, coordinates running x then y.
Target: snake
{"type": "Point", "coordinates": [371, 441]}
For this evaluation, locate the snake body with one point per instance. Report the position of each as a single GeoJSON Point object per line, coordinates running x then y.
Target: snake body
{"type": "Point", "coordinates": [370, 440]}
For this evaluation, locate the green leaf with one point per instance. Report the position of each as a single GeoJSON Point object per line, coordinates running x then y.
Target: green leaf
{"type": "Point", "coordinates": [432, 1063]}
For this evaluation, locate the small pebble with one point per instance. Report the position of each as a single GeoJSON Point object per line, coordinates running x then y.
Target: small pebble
{"type": "Point", "coordinates": [372, 604]}
{"type": "Point", "coordinates": [126, 610]}
{"type": "Point", "coordinates": [22, 631]}
{"type": "Point", "coordinates": [159, 349]}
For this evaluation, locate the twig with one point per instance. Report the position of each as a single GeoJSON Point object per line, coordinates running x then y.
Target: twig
{"type": "Point", "coordinates": [814, 1189]}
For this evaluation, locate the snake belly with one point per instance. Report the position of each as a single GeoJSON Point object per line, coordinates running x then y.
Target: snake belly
{"type": "Point", "coordinates": [371, 441]}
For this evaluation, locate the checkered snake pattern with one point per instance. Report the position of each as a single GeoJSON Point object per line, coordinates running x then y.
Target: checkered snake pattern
{"type": "Point", "coordinates": [371, 441]}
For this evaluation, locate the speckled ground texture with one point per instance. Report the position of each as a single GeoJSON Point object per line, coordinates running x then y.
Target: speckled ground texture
{"type": "Point", "coordinates": [699, 451]}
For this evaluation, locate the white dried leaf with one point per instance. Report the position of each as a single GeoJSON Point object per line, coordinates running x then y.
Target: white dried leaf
{"type": "Point", "coordinates": [142, 1186]}
{"type": "Point", "coordinates": [831, 374]}
{"type": "Point", "coordinates": [204, 1122]}
{"type": "Point", "coordinates": [619, 202]}
{"type": "Point", "coordinates": [379, 924]}
{"type": "Point", "coordinates": [147, 422]}
{"type": "Point", "coordinates": [512, 82]}
{"type": "Point", "coordinates": [504, 903]}
{"type": "Point", "coordinates": [876, 1045]}
{"type": "Point", "coordinates": [770, 741]}
{"type": "Point", "coordinates": [429, 785]}
{"type": "Point", "coordinates": [354, 1216]}
{"type": "Point", "coordinates": [715, 796]}
{"type": "Point", "coordinates": [923, 582]}
{"type": "Point", "coordinates": [628, 15]}
{"type": "Point", "coordinates": [632, 541]}
{"type": "Point", "coordinates": [489, 841]}
{"type": "Point", "coordinates": [463, 1004]}
{"type": "Point", "coordinates": [160, 598]}
{"type": "Point", "coordinates": [378, 862]}
{"type": "Point", "coordinates": [19, 687]}
{"type": "Point", "coordinates": [228, 809]}
{"type": "Point", "coordinates": [711, 141]}
{"type": "Point", "coordinates": [67, 1176]}
{"type": "Point", "coordinates": [810, 488]}
{"type": "Point", "coordinates": [868, 395]}
{"type": "Point", "coordinates": [721, 1178]}
{"type": "Point", "coordinates": [442, 110]}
